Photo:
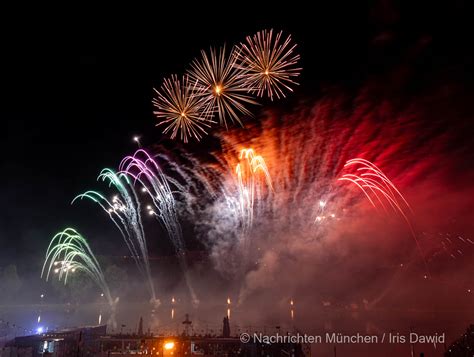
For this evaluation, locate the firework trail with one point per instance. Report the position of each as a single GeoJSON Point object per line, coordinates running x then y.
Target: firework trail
{"type": "Point", "coordinates": [69, 252]}
{"type": "Point", "coordinates": [269, 64]}
{"type": "Point", "coordinates": [244, 198]}
{"type": "Point", "coordinates": [249, 185]}
{"type": "Point", "coordinates": [124, 211]}
{"type": "Point", "coordinates": [377, 187]}
{"type": "Point", "coordinates": [373, 180]}
{"type": "Point", "coordinates": [179, 105]}
{"type": "Point", "coordinates": [144, 169]}
{"type": "Point", "coordinates": [228, 193]}
{"type": "Point", "coordinates": [222, 82]}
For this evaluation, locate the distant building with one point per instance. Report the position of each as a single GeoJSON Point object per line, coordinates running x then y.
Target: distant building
{"type": "Point", "coordinates": [464, 346]}
{"type": "Point", "coordinates": [94, 342]}
{"type": "Point", "coordinates": [195, 346]}
{"type": "Point", "coordinates": [72, 342]}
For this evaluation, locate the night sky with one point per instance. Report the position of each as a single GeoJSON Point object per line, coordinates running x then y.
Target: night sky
{"type": "Point", "coordinates": [391, 81]}
{"type": "Point", "coordinates": [77, 88]}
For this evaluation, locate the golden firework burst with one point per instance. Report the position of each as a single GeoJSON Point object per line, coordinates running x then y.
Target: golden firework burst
{"type": "Point", "coordinates": [269, 62]}
{"type": "Point", "coordinates": [222, 85]}
{"type": "Point", "coordinates": [180, 107]}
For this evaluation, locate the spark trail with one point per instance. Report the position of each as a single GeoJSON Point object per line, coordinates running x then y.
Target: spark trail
{"type": "Point", "coordinates": [69, 252]}
{"type": "Point", "coordinates": [161, 189]}
{"type": "Point", "coordinates": [237, 187]}
{"type": "Point", "coordinates": [124, 211]}
{"type": "Point", "coordinates": [379, 190]}
{"type": "Point", "coordinates": [249, 185]}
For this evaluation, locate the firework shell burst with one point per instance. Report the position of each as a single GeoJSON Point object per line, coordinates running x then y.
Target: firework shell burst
{"type": "Point", "coordinates": [221, 84]}
{"type": "Point", "coordinates": [179, 107]}
{"type": "Point", "coordinates": [125, 212]}
{"type": "Point", "coordinates": [269, 64]}
{"type": "Point", "coordinates": [145, 170]}
{"type": "Point", "coordinates": [224, 91]}
{"type": "Point", "coordinates": [376, 186]}
{"type": "Point", "coordinates": [249, 186]}
{"type": "Point", "coordinates": [68, 252]}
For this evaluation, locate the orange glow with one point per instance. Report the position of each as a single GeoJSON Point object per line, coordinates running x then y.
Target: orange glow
{"type": "Point", "coordinates": [168, 345]}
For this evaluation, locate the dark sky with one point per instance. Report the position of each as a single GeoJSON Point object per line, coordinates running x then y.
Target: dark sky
{"type": "Point", "coordinates": [77, 87]}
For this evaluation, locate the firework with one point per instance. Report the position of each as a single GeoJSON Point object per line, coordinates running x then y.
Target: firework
{"type": "Point", "coordinates": [377, 187]}
{"type": "Point", "coordinates": [248, 183]}
{"type": "Point", "coordinates": [222, 83]}
{"type": "Point", "coordinates": [237, 187]}
{"type": "Point", "coordinates": [270, 64]}
{"type": "Point", "coordinates": [68, 252]}
{"type": "Point", "coordinates": [179, 105]}
{"type": "Point", "coordinates": [144, 169]}
{"type": "Point", "coordinates": [124, 211]}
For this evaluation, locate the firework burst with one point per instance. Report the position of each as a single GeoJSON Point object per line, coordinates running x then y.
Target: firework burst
{"type": "Point", "coordinates": [68, 252]}
{"type": "Point", "coordinates": [248, 183]}
{"type": "Point", "coordinates": [159, 187]}
{"type": "Point", "coordinates": [125, 212]}
{"type": "Point", "coordinates": [179, 106]}
{"type": "Point", "coordinates": [377, 187]}
{"type": "Point", "coordinates": [270, 64]}
{"type": "Point", "coordinates": [145, 170]}
{"type": "Point", "coordinates": [222, 83]}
